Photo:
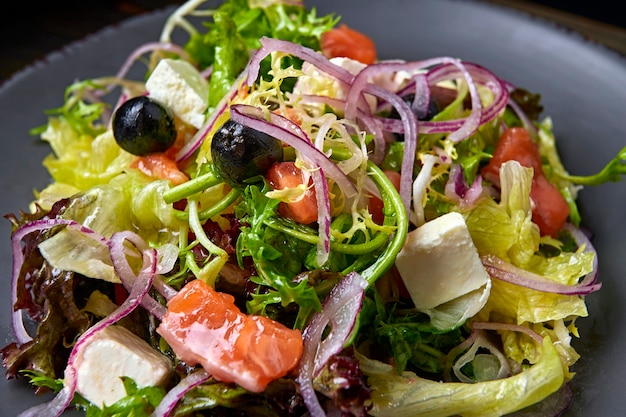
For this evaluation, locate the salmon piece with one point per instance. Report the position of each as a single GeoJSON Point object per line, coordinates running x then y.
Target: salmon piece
{"type": "Point", "coordinates": [204, 327]}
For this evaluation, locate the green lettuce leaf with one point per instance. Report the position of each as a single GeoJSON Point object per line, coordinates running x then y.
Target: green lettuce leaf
{"type": "Point", "coordinates": [506, 229]}
{"type": "Point", "coordinates": [409, 395]}
{"type": "Point", "coordinates": [82, 161]}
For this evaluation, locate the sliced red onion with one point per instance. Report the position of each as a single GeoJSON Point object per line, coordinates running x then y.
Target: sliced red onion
{"type": "Point", "coordinates": [480, 341]}
{"type": "Point", "coordinates": [222, 106]}
{"type": "Point", "coordinates": [329, 101]}
{"type": "Point", "coordinates": [269, 45]}
{"type": "Point", "coordinates": [340, 310]}
{"type": "Point", "coordinates": [582, 239]}
{"type": "Point", "coordinates": [373, 125]}
{"type": "Point", "coordinates": [150, 47]}
{"type": "Point", "coordinates": [409, 121]}
{"type": "Point", "coordinates": [473, 192]}
{"type": "Point", "coordinates": [19, 331]}
{"type": "Point", "coordinates": [456, 188]}
{"type": "Point", "coordinates": [174, 395]}
{"type": "Point", "coordinates": [422, 95]}
{"type": "Point", "coordinates": [479, 75]}
{"type": "Point", "coordinates": [54, 407]}
{"type": "Point", "coordinates": [484, 325]}
{"type": "Point", "coordinates": [504, 271]}
{"type": "Point", "coordinates": [207, 72]}
{"type": "Point", "coordinates": [165, 290]}
{"type": "Point", "coordinates": [526, 122]}
{"type": "Point", "coordinates": [141, 285]}
{"type": "Point", "coordinates": [407, 116]}
{"type": "Point", "coordinates": [473, 74]}
{"type": "Point", "coordinates": [126, 274]}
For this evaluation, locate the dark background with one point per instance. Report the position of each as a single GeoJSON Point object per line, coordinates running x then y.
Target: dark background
{"type": "Point", "coordinates": [604, 11]}
{"type": "Point", "coordinates": [29, 31]}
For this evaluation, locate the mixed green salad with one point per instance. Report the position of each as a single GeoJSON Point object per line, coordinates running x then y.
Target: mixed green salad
{"type": "Point", "coordinates": [274, 221]}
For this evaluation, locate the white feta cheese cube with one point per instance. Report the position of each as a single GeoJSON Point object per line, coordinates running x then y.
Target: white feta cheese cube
{"type": "Point", "coordinates": [112, 353]}
{"type": "Point", "coordinates": [178, 85]}
{"type": "Point", "coordinates": [440, 263]}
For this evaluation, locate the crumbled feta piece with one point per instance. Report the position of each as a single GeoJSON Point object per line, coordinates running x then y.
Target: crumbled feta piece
{"type": "Point", "coordinates": [179, 86]}
{"type": "Point", "coordinates": [112, 353]}
{"type": "Point", "coordinates": [440, 263]}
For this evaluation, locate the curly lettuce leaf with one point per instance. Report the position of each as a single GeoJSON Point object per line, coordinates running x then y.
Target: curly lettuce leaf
{"type": "Point", "coordinates": [235, 31]}
{"type": "Point", "coordinates": [253, 20]}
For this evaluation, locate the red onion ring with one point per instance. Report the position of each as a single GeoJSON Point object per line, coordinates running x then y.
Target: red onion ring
{"type": "Point", "coordinates": [174, 395]}
{"type": "Point", "coordinates": [483, 325]}
{"type": "Point", "coordinates": [504, 271]}
{"type": "Point", "coordinates": [456, 188]}
{"type": "Point", "coordinates": [340, 310]}
{"type": "Point", "coordinates": [150, 47]}
{"type": "Point", "coordinates": [269, 45]}
{"type": "Point", "coordinates": [222, 106]}
{"type": "Point", "coordinates": [582, 239]}
{"type": "Point", "coordinates": [479, 75]}
{"type": "Point", "coordinates": [125, 272]}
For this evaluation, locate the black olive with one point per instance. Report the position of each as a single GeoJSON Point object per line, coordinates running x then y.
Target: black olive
{"type": "Point", "coordinates": [241, 153]}
{"type": "Point", "coordinates": [433, 108]}
{"type": "Point", "coordinates": [142, 126]}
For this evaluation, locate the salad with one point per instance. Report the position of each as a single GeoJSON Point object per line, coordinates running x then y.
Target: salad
{"type": "Point", "coordinates": [276, 222]}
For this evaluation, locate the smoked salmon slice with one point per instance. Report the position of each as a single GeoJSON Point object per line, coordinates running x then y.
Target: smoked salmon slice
{"type": "Point", "coordinates": [203, 326]}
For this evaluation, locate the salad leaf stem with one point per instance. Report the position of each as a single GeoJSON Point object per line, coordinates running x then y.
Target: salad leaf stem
{"type": "Point", "coordinates": [347, 248]}
{"type": "Point", "coordinates": [191, 187]}
{"type": "Point", "coordinates": [613, 171]}
{"type": "Point", "coordinates": [394, 213]}
{"type": "Point", "coordinates": [209, 272]}
{"type": "Point", "coordinates": [214, 210]}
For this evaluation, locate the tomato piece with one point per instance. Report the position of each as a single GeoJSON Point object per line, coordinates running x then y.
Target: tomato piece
{"type": "Point", "coordinates": [550, 209]}
{"type": "Point", "coordinates": [287, 175]}
{"type": "Point", "coordinates": [345, 42]}
{"type": "Point", "coordinates": [203, 326]}
{"type": "Point", "coordinates": [375, 204]}
{"type": "Point", "coordinates": [514, 144]}
{"type": "Point", "coordinates": [159, 165]}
